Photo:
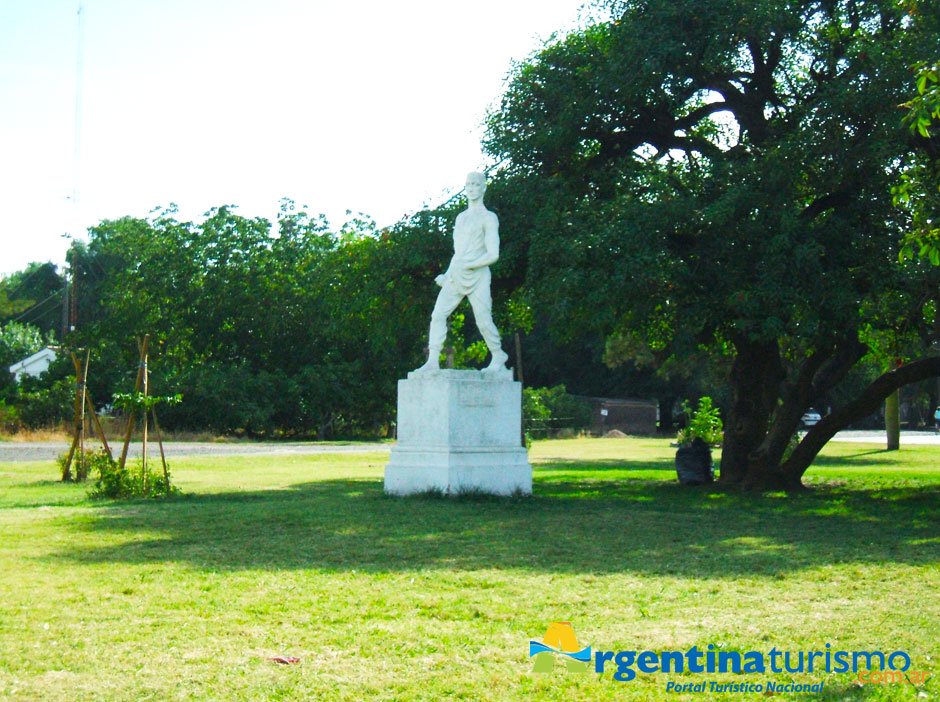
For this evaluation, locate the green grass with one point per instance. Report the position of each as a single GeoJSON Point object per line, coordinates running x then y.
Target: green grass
{"type": "Point", "coordinates": [430, 598]}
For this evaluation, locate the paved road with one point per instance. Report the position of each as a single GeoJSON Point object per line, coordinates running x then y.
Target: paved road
{"type": "Point", "coordinates": [50, 450]}
{"type": "Point", "coordinates": [879, 437]}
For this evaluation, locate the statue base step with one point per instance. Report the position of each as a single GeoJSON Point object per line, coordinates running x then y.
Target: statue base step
{"type": "Point", "coordinates": [458, 471]}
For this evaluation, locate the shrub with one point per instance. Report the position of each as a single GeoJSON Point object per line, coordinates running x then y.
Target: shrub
{"type": "Point", "coordinates": [117, 483]}
{"type": "Point", "coordinates": [535, 413]}
{"type": "Point", "coordinates": [546, 410]}
{"type": "Point", "coordinates": [47, 406]}
{"type": "Point", "coordinates": [704, 423]}
{"type": "Point", "coordinates": [9, 418]}
{"type": "Point", "coordinates": [83, 463]}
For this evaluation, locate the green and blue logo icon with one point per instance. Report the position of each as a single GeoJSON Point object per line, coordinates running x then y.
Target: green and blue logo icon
{"type": "Point", "coordinates": [559, 641]}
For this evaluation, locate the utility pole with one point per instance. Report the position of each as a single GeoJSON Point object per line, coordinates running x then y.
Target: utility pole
{"type": "Point", "coordinates": [64, 324]}
{"type": "Point", "coordinates": [73, 298]}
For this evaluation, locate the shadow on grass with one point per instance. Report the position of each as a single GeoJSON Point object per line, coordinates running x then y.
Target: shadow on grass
{"type": "Point", "coordinates": [603, 464]}
{"type": "Point", "coordinates": [870, 458]}
{"type": "Point", "coordinates": [591, 525]}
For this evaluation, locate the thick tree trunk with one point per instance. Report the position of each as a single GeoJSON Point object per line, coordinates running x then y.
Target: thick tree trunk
{"type": "Point", "coordinates": [819, 373]}
{"type": "Point", "coordinates": [758, 429]}
{"type": "Point", "coordinates": [755, 380]}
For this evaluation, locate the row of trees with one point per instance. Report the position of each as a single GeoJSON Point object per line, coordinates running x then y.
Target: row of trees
{"type": "Point", "coordinates": [695, 199]}
{"type": "Point", "coordinates": [268, 330]}
{"type": "Point", "coordinates": [291, 329]}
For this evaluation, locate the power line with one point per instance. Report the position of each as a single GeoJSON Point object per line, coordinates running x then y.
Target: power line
{"type": "Point", "coordinates": [38, 304]}
{"type": "Point", "coordinates": [45, 314]}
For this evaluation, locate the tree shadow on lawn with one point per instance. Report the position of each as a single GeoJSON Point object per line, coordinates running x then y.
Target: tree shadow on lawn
{"type": "Point", "coordinates": [870, 458]}
{"type": "Point", "coordinates": [648, 527]}
{"type": "Point", "coordinates": [601, 464]}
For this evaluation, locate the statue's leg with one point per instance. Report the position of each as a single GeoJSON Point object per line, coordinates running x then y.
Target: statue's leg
{"type": "Point", "coordinates": [482, 304]}
{"type": "Point", "coordinates": [447, 301]}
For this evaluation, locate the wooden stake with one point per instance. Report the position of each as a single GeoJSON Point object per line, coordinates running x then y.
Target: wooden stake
{"type": "Point", "coordinates": [130, 416]}
{"type": "Point", "coordinates": [156, 426]}
{"type": "Point", "coordinates": [143, 463]}
{"type": "Point", "coordinates": [94, 416]}
{"type": "Point", "coordinates": [76, 428]}
{"type": "Point", "coordinates": [78, 435]}
{"type": "Point", "coordinates": [81, 472]}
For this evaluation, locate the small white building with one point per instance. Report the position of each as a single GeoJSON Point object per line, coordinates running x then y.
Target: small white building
{"type": "Point", "coordinates": [33, 365]}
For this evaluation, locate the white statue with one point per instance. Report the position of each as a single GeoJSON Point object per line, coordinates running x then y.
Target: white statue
{"type": "Point", "coordinates": [476, 247]}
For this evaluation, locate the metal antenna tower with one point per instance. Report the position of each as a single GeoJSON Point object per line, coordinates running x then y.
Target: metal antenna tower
{"type": "Point", "coordinates": [79, 65]}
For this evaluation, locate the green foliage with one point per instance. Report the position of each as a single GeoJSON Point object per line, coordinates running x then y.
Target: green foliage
{"type": "Point", "coordinates": [466, 354]}
{"type": "Point", "coordinates": [704, 423]}
{"type": "Point", "coordinates": [546, 410]}
{"type": "Point", "coordinates": [925, 108]}
{"type": "Point", "coordinates": [519, 316]}
{"type": "Point", "coordinates": [536, 414]}
{"type": "Point", "coordinates": [291, 329]}
{"type": "Point", "coordinates": [919, 187]}
{"type": "Point", "coordinates": [83, 463]}
{"type": "Point", "coordinates": [35, 402]}
{"type": "Point", "coordinates": [117, 484]}
{"type": "Point", "coordinates": [9, 307]}
{"type": "Point", "coordinates": [138, 402]}
{"type": "Point", "coordinates": [33, 296]}
{"type": "Point", "coordinates": [9, 418]}
{"type": "Point", "coordinates": [46, 402]}
{"type": "Point", "coordinates": [17, 341]}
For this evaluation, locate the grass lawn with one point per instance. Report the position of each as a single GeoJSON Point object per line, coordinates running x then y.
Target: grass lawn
{"type": "Point", "coordinates": [429, 599]}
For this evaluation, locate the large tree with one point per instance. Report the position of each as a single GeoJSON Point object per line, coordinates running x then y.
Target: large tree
{"type": "Point", "coordinates": [715, 178]}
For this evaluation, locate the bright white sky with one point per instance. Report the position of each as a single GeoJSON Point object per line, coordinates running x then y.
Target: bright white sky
{"type": "Point", "coordinates": [374, 107]}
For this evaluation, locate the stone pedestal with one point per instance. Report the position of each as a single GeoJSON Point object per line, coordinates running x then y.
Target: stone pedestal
{"type": "Point", "coordinates": [459, 431]}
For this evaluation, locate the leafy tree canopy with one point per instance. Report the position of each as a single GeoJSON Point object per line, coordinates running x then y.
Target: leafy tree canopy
{"type": "Point", "coordinates": [714, 179]}
{"type": "Point", "coordinates": [919, 188]}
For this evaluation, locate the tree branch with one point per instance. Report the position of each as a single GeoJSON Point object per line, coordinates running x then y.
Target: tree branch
{"type": "Point", "coordinates": [864, 405]}
{"type": "Point", "coordinates": [700, 113]}
{"type": "Point", "coordinates": [826, 202]}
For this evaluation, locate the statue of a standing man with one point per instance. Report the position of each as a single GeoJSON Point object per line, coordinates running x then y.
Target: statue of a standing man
{"type": "Point", "coordinates": [476, 247]}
